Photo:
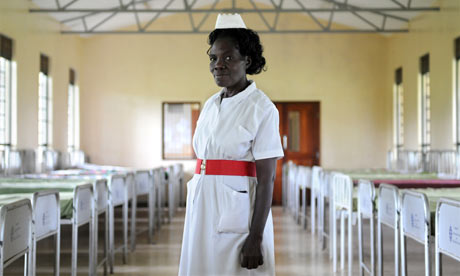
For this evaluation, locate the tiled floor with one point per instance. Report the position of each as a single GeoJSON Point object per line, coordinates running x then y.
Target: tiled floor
{"type": "Point", "coordinates": [297, 253]}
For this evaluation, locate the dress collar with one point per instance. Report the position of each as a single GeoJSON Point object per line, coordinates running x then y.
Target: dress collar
{"type": "Point", "coordinates": [238, 97]}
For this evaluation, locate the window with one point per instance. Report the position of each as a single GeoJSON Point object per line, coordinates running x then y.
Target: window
{"type": "Point", "coordinates": [73, 120]}
{"type": "Point", "coordinates": [45, 106]}
{"type": "Point", "coordinates": [457, 93]}
{"type": "Point", "coordinates": [425, 116]}
{"type": "Point", "coordinates": [398, 110]}
{"type": "Point", "coordinates": [7, 93]}
{"type": "Point", "coordinates": [179, 122]}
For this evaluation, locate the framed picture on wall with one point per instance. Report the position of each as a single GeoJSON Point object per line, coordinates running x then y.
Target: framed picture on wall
{"type": "Point", "coordinates": [179, 123]}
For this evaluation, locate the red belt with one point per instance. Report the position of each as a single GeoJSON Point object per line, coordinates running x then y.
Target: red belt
{"type": "Point", "coordinates": [226, 167]}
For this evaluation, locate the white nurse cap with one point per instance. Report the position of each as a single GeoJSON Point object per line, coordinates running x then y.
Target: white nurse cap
{"type": "Point", "coordinates": [229, 21]}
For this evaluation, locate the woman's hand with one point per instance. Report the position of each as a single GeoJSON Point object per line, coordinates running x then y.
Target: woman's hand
{"type": "Point", "coordinates": [251, 253]}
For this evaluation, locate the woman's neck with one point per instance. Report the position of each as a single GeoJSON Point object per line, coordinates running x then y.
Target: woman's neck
{"type": "Point", "coordinates": [232, 91]}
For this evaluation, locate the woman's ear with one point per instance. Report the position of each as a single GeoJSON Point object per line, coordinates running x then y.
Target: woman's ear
{"type": "Point", "coordinates": [248, 61]}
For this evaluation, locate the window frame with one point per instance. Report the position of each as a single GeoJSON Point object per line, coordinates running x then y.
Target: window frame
{"type": "Point", "coordinates": [73, 113]}
{"type": "Point", "coordinates": [425, 103]}
{"type": "Point", "coordinates": [398, 110]}
{"type": "Point", "coordinates": [456, 89]}
{"type": "Point", "coordinates": [45, 105]}
{"type": "Point", "coordinates": [7, 93]}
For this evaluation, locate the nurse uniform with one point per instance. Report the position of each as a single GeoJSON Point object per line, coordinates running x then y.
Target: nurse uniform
{"type": "Point", "coordinates": [219, 207]}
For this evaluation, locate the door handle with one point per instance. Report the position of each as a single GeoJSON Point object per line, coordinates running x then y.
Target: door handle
{"type": "Point", "coordinates": [285, 141]}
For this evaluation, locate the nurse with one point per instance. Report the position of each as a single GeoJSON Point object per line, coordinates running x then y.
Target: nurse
{"type": "Point", "coordinates": [228, 224]}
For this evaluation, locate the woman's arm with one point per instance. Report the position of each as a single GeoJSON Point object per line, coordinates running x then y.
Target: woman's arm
{"type": "Point", "coordinates": [251, 252]}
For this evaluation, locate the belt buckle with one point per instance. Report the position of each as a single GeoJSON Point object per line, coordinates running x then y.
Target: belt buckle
{"type": "Point", "coordinates": [203, 167]}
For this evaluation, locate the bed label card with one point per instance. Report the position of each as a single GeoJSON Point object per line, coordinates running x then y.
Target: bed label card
{"type": "Point", "coordinates": [142, 181]}
{"type": "Point", "coordinates": [387, 203]}
{"type": "Point", "coordinates": [17, 226]}
{"type": "Point", "coordinates": [365, 200]}
{"type": "Point", "coordinates": [101, 195]}
{"type": "Point", "coordinates": [449, 229]}
{"type": "Point", "coordinates": [46, 212]}
{"type": "Point", "coordinates": [117, 191]}
{"type": "Point", "coordinates": [84, 204]}
{"type": "Point", "coordinates": [413, 213]}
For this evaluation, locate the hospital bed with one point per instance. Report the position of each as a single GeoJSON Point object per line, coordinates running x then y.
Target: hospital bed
{"type": "Point", "coordinates": [409, 212]}
{"type": "Point", "coordinates": [76, 203]}
{"type": "Point", "coordinates": [112, 194]}
{"type": "Point", "coordinates": [134, 183]}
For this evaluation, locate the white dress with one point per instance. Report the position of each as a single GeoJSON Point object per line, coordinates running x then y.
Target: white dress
{"type": "Point", "coordinates": [219, 208]}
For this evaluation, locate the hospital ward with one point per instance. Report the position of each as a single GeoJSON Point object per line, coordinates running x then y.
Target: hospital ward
{"type": "Point", "coordinates": [230, 137]}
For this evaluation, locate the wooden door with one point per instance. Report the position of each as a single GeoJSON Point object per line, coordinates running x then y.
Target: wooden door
{"type": "Point", "coordinates": [299, 130]}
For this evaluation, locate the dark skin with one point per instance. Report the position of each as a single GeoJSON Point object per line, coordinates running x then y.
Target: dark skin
{"type": "Point", "coordinates": [228, 67]}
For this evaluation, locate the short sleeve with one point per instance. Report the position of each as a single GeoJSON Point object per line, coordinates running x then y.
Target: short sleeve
{"type": "Point", "coordinates": [267, 143]}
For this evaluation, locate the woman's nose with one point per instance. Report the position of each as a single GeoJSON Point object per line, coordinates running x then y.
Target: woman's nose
{"type": "Point", "coordinates": [219, 63]}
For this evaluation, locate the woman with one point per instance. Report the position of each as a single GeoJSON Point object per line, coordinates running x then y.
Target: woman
{"type": "Point", "coordinates": [228, 224]}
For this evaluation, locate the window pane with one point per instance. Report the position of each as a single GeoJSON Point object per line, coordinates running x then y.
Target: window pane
{"type": "Point", "coordinates": [294, 131]}
{"type": "Point", "coordinates": [457, 88]}
{"type": "Point", "coordinates": [179, 122]}
{"type": "Point", "coordinates": [44, 112]}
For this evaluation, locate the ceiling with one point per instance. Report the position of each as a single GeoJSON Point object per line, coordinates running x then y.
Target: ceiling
{"type": "Point", "coordinates": [198, 16]}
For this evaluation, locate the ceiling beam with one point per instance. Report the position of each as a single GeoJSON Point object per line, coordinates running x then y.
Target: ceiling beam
{"type": "Point", "coordinates": [260, 32]}
{"type": "Point", "coordinates": [238, 10]}
{"type": "Point", "coordinates": [379, 12]}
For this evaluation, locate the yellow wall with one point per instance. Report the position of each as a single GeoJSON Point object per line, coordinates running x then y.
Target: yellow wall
{"type": "Point", "coordinates": [432, 33]}
{"type": "Point", "coordinates": [126, 78]}
{"type": "Point", "coordinates": [34, 34]}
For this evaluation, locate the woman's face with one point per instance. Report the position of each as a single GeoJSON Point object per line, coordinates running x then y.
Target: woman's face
{"type": "Point", "coordinates": [227, 65]}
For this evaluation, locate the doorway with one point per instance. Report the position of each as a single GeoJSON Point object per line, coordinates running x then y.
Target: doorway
{"type": "Point", "coordinates": [299, 131]}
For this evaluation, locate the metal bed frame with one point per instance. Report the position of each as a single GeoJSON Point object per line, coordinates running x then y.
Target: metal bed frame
{"type": "Point", "coordinates": [366, 210]}
{"type": "Point", "coordinates": [325, 197]}
{"type": "Point", "coordinates": [292, 176]}
{"type": "Point", "coordinates": [316, 175]}
{"type": "Point", "coordinates": [388, 214]}
{"type": "Point", "coordinates": [304, 184]}
{"type": "Point", "coordinates": [172, 183]}
{"type": "Point", "coordinates": [157, 179]}
{"type": "Point", "coordinates": [16, 229]}
{"type": "Point", "coordinates": [342, 194]}
{"type": "Point", "coordinates": [83, 212]}
{"type": "Point", "coordinates": [118, 196]}
{"type": "Point", "coordinates": [131, 192]}
{"type": "Point", "coordinates": [101, 203]}
{"type": "Point", "coordinates": [166, 191]}
{"type": "Point", "coordinates": [47, 223]}
{"type": "Point", "coordinates": [102, 207]}
{"type": "Point", "coordinates": [119, 190]}
{"type": "Point", "coordinates": [447, 227]}
{"type": "Point", "coordinates": [415, 223]}
{"type": "Point", "coordinates": [145, 186]}
{"type": "Point", "coordinates": [284, 184]}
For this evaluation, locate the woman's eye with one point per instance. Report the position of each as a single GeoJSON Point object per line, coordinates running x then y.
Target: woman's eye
{"type": "Point", "coordinates": [228, 58]}
{"type": "Point", "coordinates": [212, 58]}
